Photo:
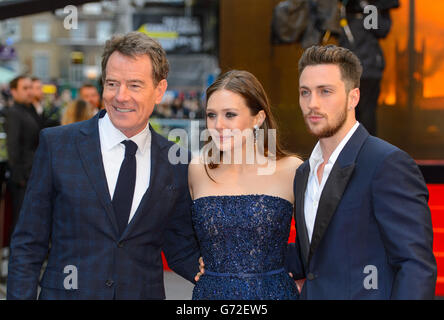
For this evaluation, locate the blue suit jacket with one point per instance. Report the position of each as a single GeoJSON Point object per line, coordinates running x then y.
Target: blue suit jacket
{"type": "Point", "coordinates": [373, 236]}
{"type": "Point", "coordinates": [67, 216]}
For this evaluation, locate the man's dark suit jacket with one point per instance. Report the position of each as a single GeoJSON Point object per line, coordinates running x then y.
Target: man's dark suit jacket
{"type": "Point", "coordinates": [22, 136]}
{"type": "Point", "coordinates": [373, 236]}
{"type": "Point", "coordinates": [68, 205]}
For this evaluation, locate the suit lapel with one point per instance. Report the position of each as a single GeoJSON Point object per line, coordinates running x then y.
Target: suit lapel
{"type": "Point", "coordinates": [331, 196]}
{"type": "Point", "coordinates": [300, 184]}
{"type": "Point", "coordinates": [335, 186]}
{"type": "Point", "coordinates": [160, 177]}
{"type": "Point", "coordinates": [88, 145]}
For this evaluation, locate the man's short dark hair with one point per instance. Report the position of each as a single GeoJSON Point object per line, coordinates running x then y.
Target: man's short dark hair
{"type": "Point", "coordinates": [13, 84]}
{"type": "Point", "coordinates": [347, 61]}
{"type": "Point", "coordinates": [35, 79]}
{"type": "Point", "coordinates": [87, 85]}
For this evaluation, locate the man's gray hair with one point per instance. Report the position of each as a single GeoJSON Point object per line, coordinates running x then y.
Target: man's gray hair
{"type": "Point", "coordinates": [135, 44]}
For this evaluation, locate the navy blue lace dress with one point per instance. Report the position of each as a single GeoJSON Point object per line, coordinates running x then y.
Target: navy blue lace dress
{"type": "Point", "coordinates": [243, 241]}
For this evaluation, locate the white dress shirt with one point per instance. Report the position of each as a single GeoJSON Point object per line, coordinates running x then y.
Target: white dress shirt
{"type": "Point", "coordinates": [314, 187]}
{"type": "Point", "coordinates": [113, 153]}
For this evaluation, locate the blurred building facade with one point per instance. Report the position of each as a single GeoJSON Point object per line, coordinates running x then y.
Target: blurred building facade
{"type": "Point", "coordinates": [48, 50]}
{"type": "Point", "coordinates": [42, 45]}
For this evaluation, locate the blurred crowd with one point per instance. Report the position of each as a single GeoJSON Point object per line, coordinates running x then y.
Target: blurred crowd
{"type": "Point", "coordinates": [180, 105]}
{"type": "Point", "coordinates": [52, 108]}
{"type": "Point", "coordinates": [26, 107]}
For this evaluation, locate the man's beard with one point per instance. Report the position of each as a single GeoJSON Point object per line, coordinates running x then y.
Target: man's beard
{"type": "Point", "coordinates": [329, 130]}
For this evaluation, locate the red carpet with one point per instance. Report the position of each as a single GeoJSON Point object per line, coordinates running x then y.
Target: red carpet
{"type": "Point", "coordinates": [436, 203]}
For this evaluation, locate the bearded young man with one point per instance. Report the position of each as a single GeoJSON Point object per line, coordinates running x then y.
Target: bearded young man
{"type": "Point", "coordinates": [364, 228]}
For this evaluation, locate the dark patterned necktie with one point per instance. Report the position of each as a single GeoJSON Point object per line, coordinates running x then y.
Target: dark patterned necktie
{"type": "Point", "coordinates": [126, 182]}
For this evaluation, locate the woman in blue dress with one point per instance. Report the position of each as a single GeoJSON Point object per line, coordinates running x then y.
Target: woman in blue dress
{"type": "Point", "coordinates": [242, 191]}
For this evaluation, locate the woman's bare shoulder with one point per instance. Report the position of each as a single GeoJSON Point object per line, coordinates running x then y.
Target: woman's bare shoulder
{"type": "Point", "coordinates": [196, 168]}
{"type": "Point", "coordinates": [290, 163]}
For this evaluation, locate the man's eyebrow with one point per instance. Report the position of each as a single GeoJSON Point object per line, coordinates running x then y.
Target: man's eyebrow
{"type": "Point", "coordinates": [319, 86]}
{"type": "Point", "coordinates": [136, 80]}
{"type": "Point", "coordinates": [131, 80]}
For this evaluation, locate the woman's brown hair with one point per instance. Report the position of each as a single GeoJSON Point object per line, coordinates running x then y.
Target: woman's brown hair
{"type": "Point", "coordinates": [77, 110]}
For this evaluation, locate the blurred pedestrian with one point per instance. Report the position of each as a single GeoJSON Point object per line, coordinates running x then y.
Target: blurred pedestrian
{"type": "Point", "coordinates": [89, 93]}
{"type": "Point", "coordinates": [37, 95]}
{"type": "Point", "coordinates": [49, 113]}
{"type": "Point", "coordinates": [364, 42]}
{"type": "Point", "coordinates": [23, 125]}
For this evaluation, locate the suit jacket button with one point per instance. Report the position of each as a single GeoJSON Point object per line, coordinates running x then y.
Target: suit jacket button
{"type": "Point", "coordinates": [109, 283]}
{"type": "Point", "coordinates": [120, 244]}
{"type": "Point", "coordinates": [310, 276]}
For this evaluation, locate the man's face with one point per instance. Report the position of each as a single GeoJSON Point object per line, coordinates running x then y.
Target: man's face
{"type": "Point", "coordinates": [129, 92]}
{"type": "Point", "coordinates": [91, 95]}
{"type": "Point", "coordinates": [23, 93]}
{"type": "Point", "coordinates": [324, 101]}
{"type": "Point", "coordinates": [37, 92]}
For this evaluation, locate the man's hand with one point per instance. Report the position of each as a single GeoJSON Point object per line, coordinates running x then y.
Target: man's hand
{"type": "Point", "coordinates": [201, 268]}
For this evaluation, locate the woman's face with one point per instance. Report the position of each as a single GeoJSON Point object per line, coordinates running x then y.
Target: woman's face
{"type": "Point", "coordinates": [230, 120]}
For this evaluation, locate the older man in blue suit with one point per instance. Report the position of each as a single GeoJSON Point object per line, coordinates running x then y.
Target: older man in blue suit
{"type": "Point", "coordinates": [103, 198]}
{"type": "Point", "coordinates": [363, 225]}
